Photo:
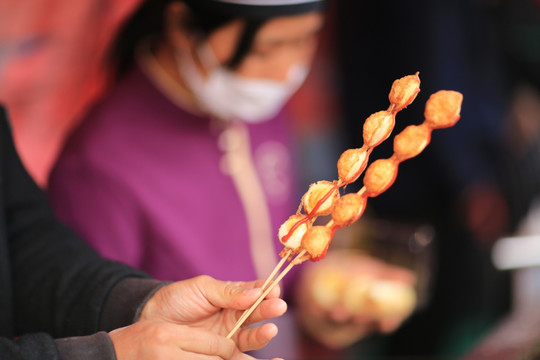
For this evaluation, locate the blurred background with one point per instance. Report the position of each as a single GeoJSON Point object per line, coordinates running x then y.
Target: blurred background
{"type": "Point", "coordinates": [475, 184]}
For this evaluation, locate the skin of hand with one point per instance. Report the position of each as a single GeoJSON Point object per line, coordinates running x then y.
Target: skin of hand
{"type": "Point", "coordinates": [189, 320]}
{"type": "Point", "coordinates": [337, 327]}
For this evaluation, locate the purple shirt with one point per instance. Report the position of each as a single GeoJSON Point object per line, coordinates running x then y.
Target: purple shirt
{"type": "Point", "coordinates": [143, 181]}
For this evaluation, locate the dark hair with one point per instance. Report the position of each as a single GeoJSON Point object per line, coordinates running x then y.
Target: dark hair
{"type": "Point", "coordinates": [148, 22]}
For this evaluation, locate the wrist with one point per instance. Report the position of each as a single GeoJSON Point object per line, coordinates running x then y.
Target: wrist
{"type": "Point", "coordinates": [126, 300]}
{"type": "Point", "coordinates": [147, 309]}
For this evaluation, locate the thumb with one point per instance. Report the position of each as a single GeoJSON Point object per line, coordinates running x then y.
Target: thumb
{"type": "Point", "coordinates": [230, 295]}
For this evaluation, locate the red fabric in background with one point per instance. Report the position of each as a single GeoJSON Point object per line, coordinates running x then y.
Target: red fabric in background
{"type": "Point", "coordinates": [48, 81]}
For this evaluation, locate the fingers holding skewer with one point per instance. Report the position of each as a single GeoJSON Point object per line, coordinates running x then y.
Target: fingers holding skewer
{"type": "Point", "coordinates": [273, 284]}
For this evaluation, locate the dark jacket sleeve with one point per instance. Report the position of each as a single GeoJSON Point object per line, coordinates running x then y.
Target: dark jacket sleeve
{"type": "Point", "coordinates": [60, 286]}
{"type": "Point", "coordinates": [42, 346]}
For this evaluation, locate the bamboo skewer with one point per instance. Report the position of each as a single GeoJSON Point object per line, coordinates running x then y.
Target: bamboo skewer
{"type": "Point", "coordinates": [362, 190]}
{"type": "Point", "coordinates": [248, 312]}
{"type": "Point", "coordinates": [276, 269]}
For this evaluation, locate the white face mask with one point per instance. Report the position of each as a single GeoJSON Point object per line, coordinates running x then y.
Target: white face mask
{"type": "Point", "coordinates": [229, 96]}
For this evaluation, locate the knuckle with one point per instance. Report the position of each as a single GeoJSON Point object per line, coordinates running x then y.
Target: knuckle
{"type": "Point", "coordinates": [213, 345]}
{"type": "Point", "coordinates": [203, 279]}
{"type": "Point", "coordinates": [229, 289]}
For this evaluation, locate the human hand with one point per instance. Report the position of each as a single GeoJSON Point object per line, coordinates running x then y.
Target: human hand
{"type": "Point", "coordinates": [152, 339]}
{"type": "Point", "coordinates": [351, 295]}
{"type": "Point", "coordinates": [203, 308]}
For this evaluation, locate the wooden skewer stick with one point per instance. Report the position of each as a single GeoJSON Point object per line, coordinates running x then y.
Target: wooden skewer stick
{"type": "Point", "coordinates": [248, 312]}
{"type": "Point", "coordinates": [362, 190]}
{"type": "Point", "coordinates": [278, 266]}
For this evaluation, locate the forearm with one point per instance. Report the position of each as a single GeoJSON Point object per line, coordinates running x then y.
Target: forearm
{"type": "Point", "coordinates": [96, 346]}
{"type": "Point", "coordinates": [43, 347]}
{"type": "Point", "coordinates": [123, 304]}
{"type": "Point", "coordinates": [60, 285]}
{"type": "Point", "coordinates": [67, 294]}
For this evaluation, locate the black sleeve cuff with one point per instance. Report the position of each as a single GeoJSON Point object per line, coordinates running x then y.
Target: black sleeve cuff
{"type": "Point", "coordinates": [96, 346]}
{"type": "Point", "coordinates": [125, 302]}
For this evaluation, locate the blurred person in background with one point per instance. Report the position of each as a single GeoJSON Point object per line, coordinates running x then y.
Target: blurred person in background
{"type": "Point", "coordinates": [51, 69]}
{"type": "Point", "coordinates": [467, 183]}
{"type": "Point", "coordinates": [187, 163]}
